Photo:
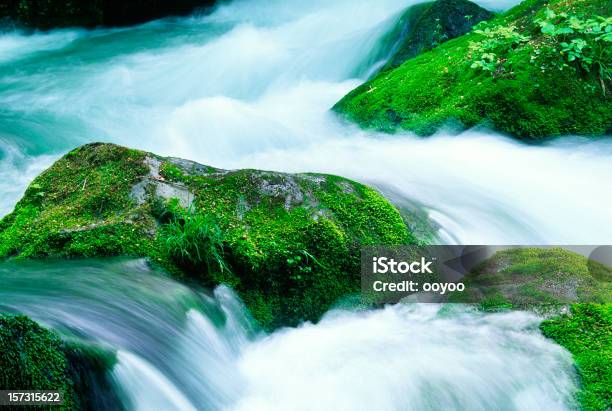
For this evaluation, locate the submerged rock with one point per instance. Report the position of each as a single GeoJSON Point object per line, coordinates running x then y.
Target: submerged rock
{"type": "Point", "coordinates": [288, 243]}
{"type": "Point", "coordinates": [424, 26]}
{"type": "Point", "coordinates": [48, 14]}
{"type": "Point", "coordinates": [515, 73]}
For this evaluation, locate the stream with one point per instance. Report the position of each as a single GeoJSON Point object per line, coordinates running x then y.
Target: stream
{"type": "Point", "coordinates": [250, 86]}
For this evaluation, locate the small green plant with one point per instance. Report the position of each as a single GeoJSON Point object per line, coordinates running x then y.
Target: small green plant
{"type": "Point", "coordinates": [301, 264]}
{"type": "Point", "coordinates": [194, 239]}
{"type": "Point", "coordinates": [582, 43]}
{"type": "Point", "coordinates": [487, 54]}
{"type": "Point", "coordinates": [172, 172]}
{"type": "Point", "coordinates": [438, 35]}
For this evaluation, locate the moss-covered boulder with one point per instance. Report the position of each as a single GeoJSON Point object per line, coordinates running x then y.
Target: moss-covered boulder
{"type": "Point", "coordinates": [426, 25]}
{"type": "Point", "coordinates": [541, 69]}
{"type": "Point", "coordinates": [289, 243]}
{"type": "Point", "coordinates": [32, 358]}
{"type": "Point", "coordinates": [536, 277]}
{"type": "Point", "coordinates": [35, 358]}
{"type": "Point", "coordinates": [90, 368]}
{"type": "Point", "coordinates": [48, 14]}
{"type": "Point", "coordinates": [574, 292]}
{"type": "Point", "coordinates": [586, 332]}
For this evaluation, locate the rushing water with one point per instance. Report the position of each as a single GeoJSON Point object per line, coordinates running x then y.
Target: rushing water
{"type": "Point", "coordinates": [250, 85]}
{"type": "Point", "coordinates": [181, 349]}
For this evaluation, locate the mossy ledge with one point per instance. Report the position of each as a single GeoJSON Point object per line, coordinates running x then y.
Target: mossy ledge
{"type": "Point", "coordinates": [586, 332]}
{"type": "Point", "coordinates": [537, 278]}
{"type": "Point", "coordinates": [288, 243]}
{"type": "Point", "coordinates": [551, 281]}
{"type": "Point", "coordinates": [33, 358]}
{"type": "Point", "coordinates": [426, 25]}
{"type": "Point", "coordinates": [515, 78]}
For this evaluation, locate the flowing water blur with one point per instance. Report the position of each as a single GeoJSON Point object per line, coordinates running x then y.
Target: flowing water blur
{"type": "Point", "coordinates": [183, 349]}
{"type": "Point", "coordinates": [250, 85]}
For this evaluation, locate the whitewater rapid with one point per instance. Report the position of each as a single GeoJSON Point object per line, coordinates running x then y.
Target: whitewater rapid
{"type": "Point", "coordinates": [251, 84]}
{"type": "Point", "coordinates": [181, 348]}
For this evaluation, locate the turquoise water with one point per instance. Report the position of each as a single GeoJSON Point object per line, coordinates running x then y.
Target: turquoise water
{"type": "Point", "coordinates": [181, 348]}
{"type": "Point", "coordinates": [251, 84]}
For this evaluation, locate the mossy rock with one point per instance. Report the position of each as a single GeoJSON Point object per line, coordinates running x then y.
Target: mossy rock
{"type": "Point", "coordinates": [537, 278]}
{"type": "Point", "coordinates": [32, 358]}
{"type": "Point", "coordinates": [586, 332]}
{"type": "Point", "coordinates": [424, 26]}
{"type": "Point", "coordinates": [575, 293]}
{"type": "Point", "coordinates": [35, 358]}
{"type": "Point", "coordinates": [288, 243]}
{"type": "Point", "coordinates": [90, 368]}
{"type": "Point", "coordinates": [531, 91]}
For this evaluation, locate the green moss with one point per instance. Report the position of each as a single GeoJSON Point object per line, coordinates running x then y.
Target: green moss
{"type": "Point", "coordinates": [295, 250]}
{"type": "Point", "coordinates": [527, 95]}
{"type": "Point", "coordinates": [426, 25]}
{"type": "Point", "coordinates": [586, 332]}
{"type": "Point", "coordinates": [90, 368]}
{"type": "Point", "coordinates": [495, 302]}
{"type": "Point", "coordinates": [545, 281]}
{"type": "Point", "coordinates": [289, 244]}
{"type": "Point", "coordinates": [194, 241]}
{"type": "Point", "coordinates": [536, 278]}
{"type": "Point", "coordinates": [79, 207]}
{"type": "Point", "coordinates": [33, 358]}
{"type": "Point", "coordinates": [172, 172]}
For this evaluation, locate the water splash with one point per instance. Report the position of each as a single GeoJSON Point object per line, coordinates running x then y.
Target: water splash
{"type": "Point", "coordinates": [408, 357]}
{"type": "Point", "coordinates": [251, 85]}
{"type": "Point", "coordinates": [182, 349]}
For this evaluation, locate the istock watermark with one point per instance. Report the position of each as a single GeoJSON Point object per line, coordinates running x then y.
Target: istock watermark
{"type": "Point", "coordinates": [497, 275]}
{"type": "Point", "coordinates": [383, 265]}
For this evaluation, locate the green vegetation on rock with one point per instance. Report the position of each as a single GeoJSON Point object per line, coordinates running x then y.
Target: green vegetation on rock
{"type": "Point", "coordinates": [536, 71]}
{"type": "Point", "coordinates": [537, 277]}
{"type": "Point", "coordinates": [424, 26]}
{"type": "Point", "coordinates": [90, 368]}
{"type": "Point", "coordinates": [32, 358]}
{"type": "Point", "coordinates": [79, 207]}
{"type": "Point", "coordinates": [288, 243]}
{"type": "Point", "coordinates": [548, 281]}
{"type": "Point", "coordinates": [586, 332]}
